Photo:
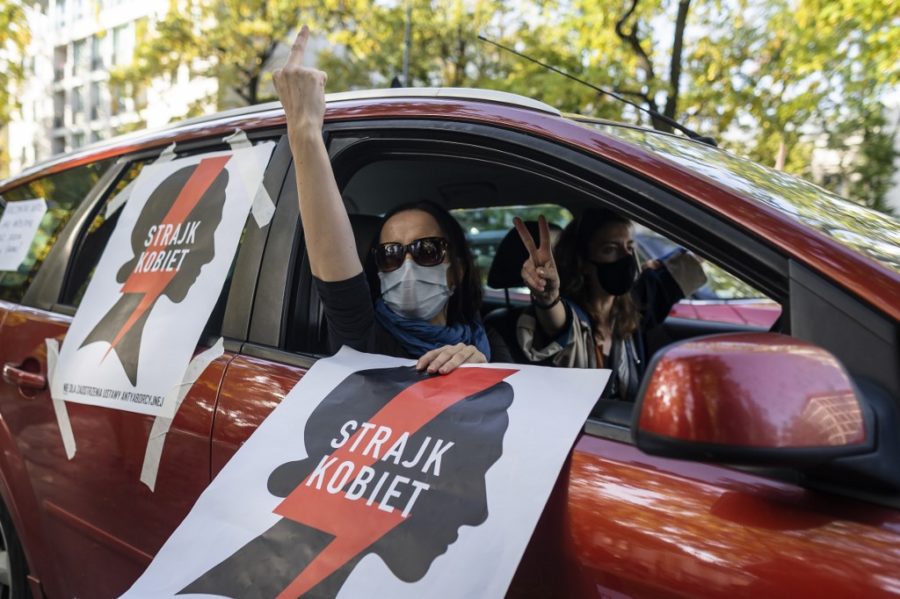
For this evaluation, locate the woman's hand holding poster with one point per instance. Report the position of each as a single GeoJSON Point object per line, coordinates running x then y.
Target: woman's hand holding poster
{"type": "Point", "coordinates": [371, 479]}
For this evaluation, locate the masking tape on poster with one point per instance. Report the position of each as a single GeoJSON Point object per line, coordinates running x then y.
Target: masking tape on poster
{"type": "Point", "coordinates": [161, 425]}
{"type": "Point", "coordinates": [119, 200]}
{"type": "Point", "coordinates": [59, 406]}
{"type": "Point", "coordinates": [263, 208]}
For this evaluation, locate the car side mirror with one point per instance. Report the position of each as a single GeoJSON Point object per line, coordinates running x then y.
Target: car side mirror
{"type": "Point", "coordinates": [753, 398]}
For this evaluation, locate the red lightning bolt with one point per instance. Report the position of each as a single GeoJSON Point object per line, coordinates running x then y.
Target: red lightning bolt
{"type": "Point", "coordinates": [152, 284]}
{"type": "Point", "coordinates": [355, 525]}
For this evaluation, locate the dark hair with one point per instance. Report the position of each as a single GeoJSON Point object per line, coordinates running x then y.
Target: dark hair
{"type": "Point", "coordinates": [571, 253]}
{"type": "Point", "coordinates": [466, 299]}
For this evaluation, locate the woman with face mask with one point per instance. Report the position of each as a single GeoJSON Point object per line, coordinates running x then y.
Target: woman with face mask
{"type": "Point", "coordinates": [420, 270]}
{"type": "Point", "coordinates": [591, 301]}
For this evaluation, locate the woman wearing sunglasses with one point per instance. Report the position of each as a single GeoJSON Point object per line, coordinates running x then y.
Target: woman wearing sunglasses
{"type": "Point", "coordinates": [593, 311]}
{"type": "Point", "coordinates": [420, 269]}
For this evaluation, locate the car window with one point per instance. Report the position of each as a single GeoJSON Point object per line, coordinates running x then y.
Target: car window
{"type": "Point", "coordinates": [872, 233]}
{"type": "Point", "coordinates": [63, 193]}
{"type": "Point", "coordinates": [486, 227]}
{"type": "Point", "coordinates": [94, 240]}
{"type": "Point", "coordinates": [720, 284]}
{"type": "Point", "coordinates": [89, 251]}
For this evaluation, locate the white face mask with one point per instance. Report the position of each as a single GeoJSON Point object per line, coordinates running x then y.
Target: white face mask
{"type": "Point", "coordinates": [415, 291]}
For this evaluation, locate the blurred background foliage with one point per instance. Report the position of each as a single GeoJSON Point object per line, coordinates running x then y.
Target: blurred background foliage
{"type": "Point", "coordinates": [769, 80]}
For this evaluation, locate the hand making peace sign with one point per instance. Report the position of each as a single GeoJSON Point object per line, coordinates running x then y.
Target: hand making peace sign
{"type": "Point", "coordinates": [539, 270]}
{"type": "Point", "coordinates": [301, 89]}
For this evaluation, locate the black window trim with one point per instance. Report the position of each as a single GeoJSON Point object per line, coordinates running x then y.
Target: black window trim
{"type": "Point", "coordinates": [49, 294]}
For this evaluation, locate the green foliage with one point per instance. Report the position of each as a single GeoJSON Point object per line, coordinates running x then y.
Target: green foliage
{"type": "Point", "coordinates": [14, 37]}
{"type": "Point", "coordinates": [868, 159]}
{"type": "Point", "coordinates": [775, 75]}
{"type": "Point", "coordinates": [231, 41]}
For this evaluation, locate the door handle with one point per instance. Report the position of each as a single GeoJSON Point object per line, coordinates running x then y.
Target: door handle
{"type": "Point", "coordinates": [22, 378]}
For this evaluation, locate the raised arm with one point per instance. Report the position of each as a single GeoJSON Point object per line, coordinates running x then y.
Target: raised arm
{"type": "Point", "coordinates": [329, 238]}
{"type": "Point", "coordinates": [540, 275]}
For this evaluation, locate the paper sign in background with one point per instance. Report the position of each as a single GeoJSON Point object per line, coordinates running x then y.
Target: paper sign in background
{"type": "Point", "coordinates": [158, 281]}
{"type": "Point", "coordinates": [465, 557]}
{"type": "Point", "coordinates": [18, 226]}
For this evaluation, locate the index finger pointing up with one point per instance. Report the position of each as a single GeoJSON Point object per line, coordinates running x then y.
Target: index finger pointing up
{"type": "Point", "coordinates": [298, 49]}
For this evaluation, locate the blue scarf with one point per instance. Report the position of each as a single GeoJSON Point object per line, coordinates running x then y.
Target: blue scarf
{"type": "Point", "coordinates": [420, 336]}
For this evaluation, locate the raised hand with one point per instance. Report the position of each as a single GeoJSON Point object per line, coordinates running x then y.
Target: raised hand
{"type": "Point", "coordinates": [539, 270]}
{"type": "Point", "coordinates": [301, 89]}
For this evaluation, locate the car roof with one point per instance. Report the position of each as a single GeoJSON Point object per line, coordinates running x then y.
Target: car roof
{"type": "Point", "coordinates": [640, 151]}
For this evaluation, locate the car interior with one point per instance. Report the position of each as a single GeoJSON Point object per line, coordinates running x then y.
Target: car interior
{"type": "Point", "coordinates": [484, 196]}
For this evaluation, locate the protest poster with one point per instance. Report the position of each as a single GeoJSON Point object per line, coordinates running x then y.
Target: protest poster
{"type": "Point", "coordinates": [18, 226]}
{"type": "Point", "coordinates": [371, 479]}
{"type": "Point", "coordinates": [158, 280]}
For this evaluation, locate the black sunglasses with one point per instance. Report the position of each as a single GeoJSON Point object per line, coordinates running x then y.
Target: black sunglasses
{"type": "Point", "coordinates": [427, 251]}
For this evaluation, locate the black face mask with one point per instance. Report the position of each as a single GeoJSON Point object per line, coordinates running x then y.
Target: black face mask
{"type": "Point", "coordinates": [617, 278]}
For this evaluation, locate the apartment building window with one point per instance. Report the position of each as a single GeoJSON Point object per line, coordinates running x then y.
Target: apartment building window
{"type": "Point", "coordinates": [77, 140]}
{"type": "Point", "coordinates": [59, 63]}
{"type": "Point", "coordinates": [81, 9]}
{"type": "Point", "coordinates": [79, 55]}
{"type": "Point", "coordinates": [123, 44]}
{"type": "Point", "coordinates": [95, 100]}
{"type": "Point", "coordinates": [96, 53]}
{"type": "Point", "coordinates": [58, 145]}
{"type": "Point", "coordinates": [77, 104]}
{"type": "Point", "coordinates": [59, 109]}
{"type": "Point", "coordinates": [115, 99]}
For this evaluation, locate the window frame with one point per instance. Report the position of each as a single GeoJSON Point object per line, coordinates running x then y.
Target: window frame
{"type": "Point", "coordinates": [607, 184]}
{"type": "Point", "coordinates": [47, 284]}
{"type": "Point", "coordinates": [58, 279]}
{"type": "Point", "coordinates": [802, 293]}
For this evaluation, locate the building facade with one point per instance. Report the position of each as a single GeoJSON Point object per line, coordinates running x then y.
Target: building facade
{"type": "Point", "coordinates": [67, 100]}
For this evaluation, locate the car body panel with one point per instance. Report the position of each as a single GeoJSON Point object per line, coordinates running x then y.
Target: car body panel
{"type": "Point", "coordinates": [251, 389]}
{"type": "Point", "coordinates": [624, 524]}
{"type": "Point", "coordinates": [92, 518]}
{"type": "Point", "coordinates": [620, 523]}
{"type": "Point", "coordinates": [760, 313]}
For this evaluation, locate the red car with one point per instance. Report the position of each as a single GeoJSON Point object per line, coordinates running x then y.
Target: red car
{"type": "Point", "coordinates": [773, 450]}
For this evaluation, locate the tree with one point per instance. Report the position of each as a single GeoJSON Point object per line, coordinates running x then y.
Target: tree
{"type": "Point", "coordinates": [765, 78]}
{"type": "Point", "coordinates": [232, 41]}
{"type": "Point", "coordinates": [14, 38]}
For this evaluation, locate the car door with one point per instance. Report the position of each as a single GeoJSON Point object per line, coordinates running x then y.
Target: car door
{"type": "Point", "coordinates": [619, 523]}
{"type": "Point", "coordinates": [102, 525]}
{"type": "Point", "coordinates": [68, 194]}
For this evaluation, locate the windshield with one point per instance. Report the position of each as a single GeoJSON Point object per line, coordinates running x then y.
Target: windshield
{"type": "Point", "coordinates": [869, 232]}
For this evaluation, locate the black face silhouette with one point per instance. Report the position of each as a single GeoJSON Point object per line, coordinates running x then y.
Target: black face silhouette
{"type": "Point", "coordinates": [456, 496]}
{"type": "Point", "coordinates": [172, 240]}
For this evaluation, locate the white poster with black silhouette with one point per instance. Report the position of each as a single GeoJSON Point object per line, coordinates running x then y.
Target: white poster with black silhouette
{"type": "Point", "coordinates": [158, 280]}
{"type": "Point", "coordinates": [371, 479]}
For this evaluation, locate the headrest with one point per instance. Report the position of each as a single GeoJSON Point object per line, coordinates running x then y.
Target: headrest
{"type": "Point", "coordinates": [365, 228]}
{"type": "Point", "coordinates": [506, 269]}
